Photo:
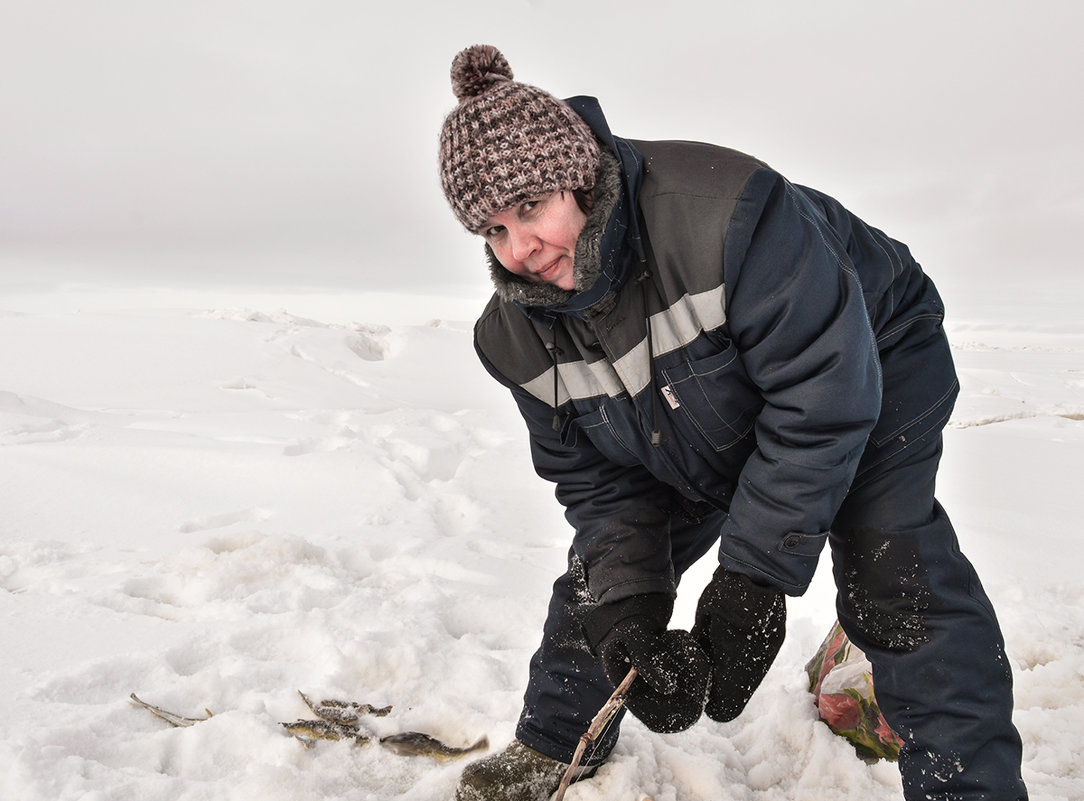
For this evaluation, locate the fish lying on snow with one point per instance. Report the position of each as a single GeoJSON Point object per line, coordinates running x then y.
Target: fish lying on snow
{"type": "Point", "coordinates": [340, 720]}
{"type": "Point", "coordinates": [309, 730]}
{"type": "Point", "coordinates": [414, 743]}
{"type": "Point", "coordinates": [169, 717]}
{"type": "Point", "coordinates": [336, 720]}
{"type": "Point", "coordinates": [344, 712]}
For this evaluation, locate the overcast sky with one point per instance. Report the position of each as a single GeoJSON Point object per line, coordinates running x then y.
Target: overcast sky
{"type": "Point", "coordinates": [278, 143]}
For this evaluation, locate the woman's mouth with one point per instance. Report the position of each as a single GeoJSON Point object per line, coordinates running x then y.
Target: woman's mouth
{"type": "Point", "coordinates": [546, 273]}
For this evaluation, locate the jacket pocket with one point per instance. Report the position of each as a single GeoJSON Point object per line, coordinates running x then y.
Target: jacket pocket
{"type": "Point", "coordinates": [714, 397]}
{"type": "Point", "coordinates": [599, 428]}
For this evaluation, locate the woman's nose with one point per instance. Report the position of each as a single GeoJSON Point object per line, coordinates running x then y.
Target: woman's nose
{"type": "Point", "coordinates": [524, 243]}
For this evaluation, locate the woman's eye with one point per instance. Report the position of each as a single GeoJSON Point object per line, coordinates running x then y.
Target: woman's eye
{"type": "Point", "coordinates": [489, 233]}
{"type": "Point", "coordinates": [532, 205]}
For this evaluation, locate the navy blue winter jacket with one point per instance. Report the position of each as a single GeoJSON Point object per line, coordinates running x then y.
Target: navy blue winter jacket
{"type": "Point", "coordinates": [757, 388]}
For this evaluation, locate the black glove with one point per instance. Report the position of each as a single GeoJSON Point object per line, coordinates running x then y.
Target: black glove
{"type": "Point", "coordinates": [741, 625]}
{"type": "Point", "coordinates": [673, 671]}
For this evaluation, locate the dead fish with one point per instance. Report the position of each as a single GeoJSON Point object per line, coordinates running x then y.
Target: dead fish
{"type": "Point", "coordinates": [173, 719]}
{"type": "Point", "coordinates": [344, 712]}
{"type": "Point", "coordinates": [339, 720]}
{"type": "Point", "coordinates": [415, 743]}
{"type": "Point", "coordinates": [308, 730]}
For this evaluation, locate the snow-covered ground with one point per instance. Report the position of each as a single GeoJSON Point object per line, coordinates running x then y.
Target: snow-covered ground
{"type": "Point", "coordinates": [216, 506]}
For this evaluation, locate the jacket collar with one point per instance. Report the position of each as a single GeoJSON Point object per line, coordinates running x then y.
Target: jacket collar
{"type": "Point", "coordinates": [631, 162]}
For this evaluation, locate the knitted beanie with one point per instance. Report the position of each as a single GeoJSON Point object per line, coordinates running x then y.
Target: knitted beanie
{"type": "Point", "coordinates": [506, 141]}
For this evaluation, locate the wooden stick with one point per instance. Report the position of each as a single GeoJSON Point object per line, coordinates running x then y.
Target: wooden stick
{"type": "Point", "coordinates": [597, 725]}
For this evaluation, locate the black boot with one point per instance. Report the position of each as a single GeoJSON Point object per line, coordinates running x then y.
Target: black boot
{"type": "Point", "coordinates": [518, 773]}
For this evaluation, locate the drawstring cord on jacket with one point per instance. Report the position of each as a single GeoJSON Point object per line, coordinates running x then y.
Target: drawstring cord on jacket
{"type": "Point", "coordinates": [551, 346]}
{"type": "Point", "coordinates": [656, 435]}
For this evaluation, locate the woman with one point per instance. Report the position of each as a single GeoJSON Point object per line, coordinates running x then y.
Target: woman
{"type": "Point", "coordinates": [707, 354]}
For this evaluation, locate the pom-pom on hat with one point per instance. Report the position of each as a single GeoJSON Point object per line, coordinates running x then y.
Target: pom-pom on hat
{"type": "Point", "coordinates": [506, 141]}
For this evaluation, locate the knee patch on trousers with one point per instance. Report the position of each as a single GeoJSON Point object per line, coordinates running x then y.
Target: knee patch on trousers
{"type": "Point", "coordinates": [885, 590]}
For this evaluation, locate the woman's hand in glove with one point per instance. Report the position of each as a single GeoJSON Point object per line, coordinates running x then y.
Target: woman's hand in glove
{"type": "Point", "coordinates": [673, 670]}
{"type": "Point", "coordinates": [741, 625]}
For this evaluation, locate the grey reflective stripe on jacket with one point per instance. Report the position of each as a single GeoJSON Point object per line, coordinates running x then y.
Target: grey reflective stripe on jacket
{"type": "Point", "coordinates": [672, 328]}
{"type": "Point", "coordinates": [763, 363]}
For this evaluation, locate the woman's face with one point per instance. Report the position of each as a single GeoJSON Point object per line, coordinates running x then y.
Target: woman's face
{"type": "Point", "coordinates": [536, 238]}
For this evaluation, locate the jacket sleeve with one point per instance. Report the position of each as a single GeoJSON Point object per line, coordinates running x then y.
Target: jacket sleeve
{"type": "Point", "coordinates": [619, 513]}
{"type": "Point", "coordinates": [797, 316]}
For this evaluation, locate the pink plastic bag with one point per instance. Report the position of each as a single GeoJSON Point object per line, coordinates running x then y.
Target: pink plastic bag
{"type": "Point", "coordinates": [841, 680]}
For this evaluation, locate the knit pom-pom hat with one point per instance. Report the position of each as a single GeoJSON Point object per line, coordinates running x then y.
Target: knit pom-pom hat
{"type": "Point", "coordinates": [506, 141]}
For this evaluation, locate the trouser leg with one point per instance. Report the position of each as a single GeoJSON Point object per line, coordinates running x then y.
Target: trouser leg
{"type": "Point", "coordinates": [910, 599]}
{"type": "Point", "coordinates": [567, 685]}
